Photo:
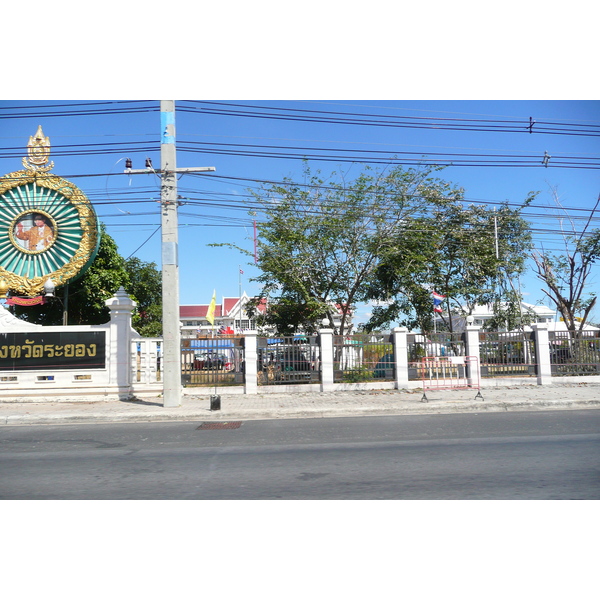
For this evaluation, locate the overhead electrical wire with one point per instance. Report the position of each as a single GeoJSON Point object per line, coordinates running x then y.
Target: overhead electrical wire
{"type": "Point", "coordinates": [323, 154]}
{"type": "Point", "coordinates": [136, 197]}
{"type": "Point", "coordinates": [393, 158]}
{"type": "Point", "coordinates": [77, 109]}
{"type": "Point", "coordinates": [379, 120]}
{"type": "Point", "coordinates": [296, 152]}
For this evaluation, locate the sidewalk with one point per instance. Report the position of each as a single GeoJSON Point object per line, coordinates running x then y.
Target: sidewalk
{"type": "Point", "coordinates": [304, 405]}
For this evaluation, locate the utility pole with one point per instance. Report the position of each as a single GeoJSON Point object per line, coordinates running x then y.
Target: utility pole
{"type": "Point", "coordinates": [171, 351]}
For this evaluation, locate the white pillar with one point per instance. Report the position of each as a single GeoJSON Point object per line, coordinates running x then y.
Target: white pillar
{"type": "Point", "coordinates": [400, 335]}
{"type": "Point", "coordinates": [472, 350]}
{"type": "Point", "coordinates": [542, 351]}
{"type": "Point", "coordinates": [250, 362]}
{"type": "Point", "coordinates": [326, 336]}
{"type": "Point", "coordinates": [121, 333]}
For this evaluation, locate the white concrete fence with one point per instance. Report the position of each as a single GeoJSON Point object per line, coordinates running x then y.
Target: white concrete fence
{"type": "Point", "coordinates": [68, 362]}
{"type": "Point", "coordinates": [147, 357]}
{"type": "Point", "coordinates": [56, 363]}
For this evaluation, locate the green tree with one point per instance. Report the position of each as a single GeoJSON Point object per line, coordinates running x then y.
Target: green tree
{"type": "Point", "coordinates": [320, 243]}
{"type": "Point", "coordinates": [86, 295]}
{"type": "Point", "coordinates": [287, 314]}
{"type": "Point", "coordinates": [145, 287]}
{"type": "Point", "coordinates": [566, 275]}
{"type": "Point", "coordinates": [470, 254]}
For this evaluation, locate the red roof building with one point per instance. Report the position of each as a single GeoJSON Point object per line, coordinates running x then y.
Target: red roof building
{"type": "Point", "coordinates": [229, 315]}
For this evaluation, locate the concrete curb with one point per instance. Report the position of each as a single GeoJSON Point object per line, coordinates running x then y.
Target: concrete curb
{"type": "Point", "coordinates": [154, 414]}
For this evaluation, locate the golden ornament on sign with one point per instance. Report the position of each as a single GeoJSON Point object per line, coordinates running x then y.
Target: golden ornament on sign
{"type": "Point", "coordinates": [38, 150]}
{"type": "Point", "coordinates": [68, 237]}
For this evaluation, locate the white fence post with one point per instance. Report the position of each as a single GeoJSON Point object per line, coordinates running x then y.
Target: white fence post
{"type": "Point", "coordinates": [542, 351]}
{"type": "Point", "coordinates": [472, 349]}
{"type": "Point", "coordinates": [250, 362]}
{"type": "Point", "coordinates": [121, 333]}
{"type": "Point", "coordinates": [326, 337]}
{"type": "Point", "coordinates": [400, 338]}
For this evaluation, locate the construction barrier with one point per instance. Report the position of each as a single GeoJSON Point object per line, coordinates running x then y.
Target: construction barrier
{"type": "Point", "coordinates": [450, 373]}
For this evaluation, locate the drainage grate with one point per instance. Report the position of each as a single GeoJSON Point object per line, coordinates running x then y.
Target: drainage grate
{"type": "Point", "coordinates": [225, 425]}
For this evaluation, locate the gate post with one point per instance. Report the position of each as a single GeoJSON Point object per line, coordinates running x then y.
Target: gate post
{"type": "Point", "coordinates": [542, 351]}
{"type": "Point", "coordinates": [472, 349]}
{"type": "Point", "coordinates": [326, 337]}
{"type": "Point", "coordinates": [400, 341]}
{"type": "Point", "coordinates": [250, 362]}
{"type": "Point", "coordinates": [121, 333]}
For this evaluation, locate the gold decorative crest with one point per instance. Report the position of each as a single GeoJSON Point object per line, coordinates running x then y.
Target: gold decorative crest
{"type": "Point", "coordinates": [38, 150]}
{"type": "Point", "coordinates": [48, 228]}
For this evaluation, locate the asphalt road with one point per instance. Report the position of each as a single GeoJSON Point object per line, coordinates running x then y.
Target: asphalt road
{"type": "Point", "coordinates": [515, 455]}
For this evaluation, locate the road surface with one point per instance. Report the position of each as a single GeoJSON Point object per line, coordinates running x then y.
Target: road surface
{"type": "Point", "coordinates": [516, 455]}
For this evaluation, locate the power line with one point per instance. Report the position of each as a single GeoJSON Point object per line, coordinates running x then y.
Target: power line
{"type": "Point", "coordinates": [106, 108]}
{"type": "Point", "coordinates": [362, 119]}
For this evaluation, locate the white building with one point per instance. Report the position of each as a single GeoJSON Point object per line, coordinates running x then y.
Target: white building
{"type": "Point", "coordinates": [531, 312]}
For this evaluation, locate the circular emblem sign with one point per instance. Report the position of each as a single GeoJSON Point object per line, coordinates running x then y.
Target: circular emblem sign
{"type": "Point", "coordinates": [48, 229]}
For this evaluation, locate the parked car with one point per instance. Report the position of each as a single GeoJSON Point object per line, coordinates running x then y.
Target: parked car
{"type": "Point", "coordinates": [210, 361]}
{"type": "Point", "coordinates": [291, 359]}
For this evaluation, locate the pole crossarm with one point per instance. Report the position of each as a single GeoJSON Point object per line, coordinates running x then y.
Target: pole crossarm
{"type": "Point", "coordinates": [167, 171]}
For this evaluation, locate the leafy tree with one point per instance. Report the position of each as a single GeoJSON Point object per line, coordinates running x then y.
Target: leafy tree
{"type": "Point", "coordinates": [86, 295]}
{"type": "Point", "coordinates": [321, 243]}
{"type": "Point", "coordinates": [467, 253]}
{"type": "Point", "coordinates": [287, 315]}
{"type": "Point", "coordinates": [566, 275]}
{"type": "Point", "coordinates": [145, 287]}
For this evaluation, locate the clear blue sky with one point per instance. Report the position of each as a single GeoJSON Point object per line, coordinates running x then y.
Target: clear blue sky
{"type": "Point", "coordinates": [251, 141]}
{"type": "Point", "coordinates": [386, 62]}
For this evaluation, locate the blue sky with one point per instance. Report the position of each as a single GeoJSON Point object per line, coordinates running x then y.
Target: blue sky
{"type": "Point", "coordinates": [211, 133]}
{"type": "Point", "coordinates": [432, 62]}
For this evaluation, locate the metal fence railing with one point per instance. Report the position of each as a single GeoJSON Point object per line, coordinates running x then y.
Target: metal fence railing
{"type": "Point", "coordinates": [363, 358]}
{"type": "Point", "coordinates": [507, 354]}
{"type": "Point", "coordinates": [288, 360]}
{"type": "Point", "coordinates": [577, 354]}
{"type": "Point", "coordinates": [212, 361]}
{"type": "Point", "coordinates": [441, 344]}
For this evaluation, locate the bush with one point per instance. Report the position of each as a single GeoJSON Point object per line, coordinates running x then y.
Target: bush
{"type": "Point", "coordinates": [357, 375]}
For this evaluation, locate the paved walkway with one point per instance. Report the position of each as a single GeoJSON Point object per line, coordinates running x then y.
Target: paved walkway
{"type": "Point", "coordinates": [302, 405]}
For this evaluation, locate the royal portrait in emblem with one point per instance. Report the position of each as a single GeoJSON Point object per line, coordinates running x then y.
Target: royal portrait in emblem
{"type": "Point", "coordinates": [34, 232]}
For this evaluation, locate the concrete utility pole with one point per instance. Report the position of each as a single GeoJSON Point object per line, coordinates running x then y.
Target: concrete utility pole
{"type": "Point", "coordinates": [171, 351]}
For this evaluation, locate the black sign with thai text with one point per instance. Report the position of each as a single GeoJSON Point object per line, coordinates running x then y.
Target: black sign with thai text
{"type": "Point", "coordinates": [52, 350]}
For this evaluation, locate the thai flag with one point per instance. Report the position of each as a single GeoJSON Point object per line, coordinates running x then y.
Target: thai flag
{"type": "Point", "coordinates": [437, 300]}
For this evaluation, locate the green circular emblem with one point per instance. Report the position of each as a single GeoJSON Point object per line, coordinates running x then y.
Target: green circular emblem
{"type": "Point", "coordinates": [48, 230]}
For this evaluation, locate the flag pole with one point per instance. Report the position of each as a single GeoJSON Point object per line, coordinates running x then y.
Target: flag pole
{"type": "Point", "coordinates": [240, 296]}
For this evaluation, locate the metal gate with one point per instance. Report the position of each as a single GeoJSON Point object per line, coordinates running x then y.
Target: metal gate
{"type": "Point", "coordinates": [211, 361]}
{"type": "Point", "coordinates": [442, 344]}
{"type": "Point", "coordinates": [507, 354]}
{"type": "Point", "coordinates": [288, 360]}
{"type": "Point", "coordinates": [577, 354]}
{"type": "Point", "coordinates": [363, 357]}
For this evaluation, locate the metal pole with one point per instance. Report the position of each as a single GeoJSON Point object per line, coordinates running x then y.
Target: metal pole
{"type": "Point", "coordinates": [170, 264]}
{"type": "Point", "coordinates": [66, 305]}
{"type": "Point", "coordinates": [240, 300]}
